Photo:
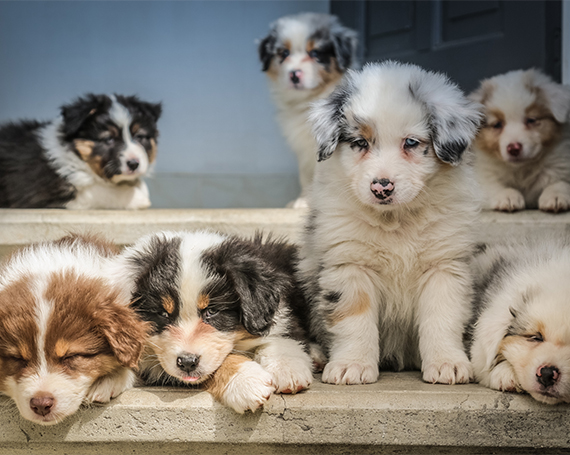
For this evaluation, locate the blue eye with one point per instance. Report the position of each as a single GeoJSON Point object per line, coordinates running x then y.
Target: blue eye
{"type": "Point", "coordinates": [410, 143]}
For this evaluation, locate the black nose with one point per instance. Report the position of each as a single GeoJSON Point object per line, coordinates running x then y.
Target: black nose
{"type": "Point", "coordinates": [382, 188]}
{"type": "Point", "coordinates": [133, 164]}
{"type": "Point", "coordinates": [42, 405]}
{"type": "Point", "coordinates": [547, 376]}
{"type": "Point", "coordinates": [188, 362]}
{"type": "Point", "coordinates": [294, 77]}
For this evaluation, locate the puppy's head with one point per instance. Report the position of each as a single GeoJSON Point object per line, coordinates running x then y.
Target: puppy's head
{"type": "Point", "coordinates": [537, 343]}
{"type": "Point", "coordinates": [524, 114]}
{"type": "Point", "coordinates": [203, 293]}
{"type": "Point", "coordinates": [62, 328]}
{"type": "Point", "coordinates": [116, 135]}
{"type": "Point", "coordinates": [307, 51]}
{"type": "Point", "coordinates": [391, 127]}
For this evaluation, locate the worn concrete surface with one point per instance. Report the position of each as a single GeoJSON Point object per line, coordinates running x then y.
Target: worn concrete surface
{"type": "Point", "coordinates": [397, 414]}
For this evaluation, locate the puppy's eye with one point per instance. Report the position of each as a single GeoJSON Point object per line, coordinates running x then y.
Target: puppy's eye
{"type": "Point", "coordinates": [497, 125]}
{"type": "Point", "coordinates": [536, 337]}
{"type": "Point", "coordinates": [17, 359]}
{"type": "Point", "coordinates": [362, 144]}
{"type": "Point", "coordinates": [165, 314]}
{"type": "Point", "coordinates": [108, 140]}
{"type": "Point", "coordinates": [410, 143]}
{"type": "Point", "coordinates": [530, 121]}
{"type": "Point", "coordinates": [314, 53]}
{"type": "Point", "coordinates": [283, 53]}
{"type": "Point", "coordinates": [141, 137]}
{"type": "Point", "coordinates": [209, 313]}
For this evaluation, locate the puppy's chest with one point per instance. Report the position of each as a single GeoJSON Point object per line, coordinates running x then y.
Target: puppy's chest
{"type": "Point", "coordinates": [102, 195]}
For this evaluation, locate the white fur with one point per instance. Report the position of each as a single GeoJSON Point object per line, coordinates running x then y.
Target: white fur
{"type": "Point", "coordinates": [249, 388]}
{"type": "Point", "coordinates": [405, 260]}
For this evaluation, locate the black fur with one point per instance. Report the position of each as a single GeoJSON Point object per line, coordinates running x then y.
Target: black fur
{"type": "Point", "coordinates": [266, 49]}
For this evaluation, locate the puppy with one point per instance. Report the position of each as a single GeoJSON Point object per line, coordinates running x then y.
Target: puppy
{"type": "Point", "coordinates": [521, 340]}
{"type": "Point", "coordinates": [523, 149]}
{"type": "Point", "coordinates": [216, 302]}
{"type": "Point", "coordinates": [93, 157]}
{"type": "Point", "coordinates": [304, 57]}
{"type": "Point", "coordinates": [384, 259]}
{"type": "Point", "coordinates": [66, 338]}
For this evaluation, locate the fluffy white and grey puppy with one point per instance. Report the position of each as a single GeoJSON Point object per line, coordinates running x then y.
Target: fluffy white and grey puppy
{"type": "Point", "coordinates": [521, 340]}
{"type": "Point", "coordinates": [304, 57]}
{"type": "Point", "coordinates": [523, 150]}
{"type": "Point", "coordinates": [388, 238]}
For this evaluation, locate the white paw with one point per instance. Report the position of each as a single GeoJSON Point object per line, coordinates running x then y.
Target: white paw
{"type": "Point", "coordinates": [345, 372]}
{"type": "Point", "coordinates": [111, 386]}
{"type": "Point", "coordinates": [509, 200]}
{"type": "Point", "coordinates": [292, 374]}
{"type": "Point", "coordinates": [299, 203]}
{"type": "Point", "coordinates": [249, 388]}
{"type": "Point", "coordinates": [448, 371]}
{"type": "Point", "coordinates": [503, 378]}
{"type": "Point", "coordinates": [552, 201]}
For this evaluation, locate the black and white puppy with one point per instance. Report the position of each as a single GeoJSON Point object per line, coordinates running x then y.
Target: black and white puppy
{"type": "Point", "coordinates": [304, 57]}
{"type": "Point", "coordinates": [226, 311]}
{"type": "Point", "coordinates": [388, 238]}
{"type": "Point", "coordinates": [92, 157]}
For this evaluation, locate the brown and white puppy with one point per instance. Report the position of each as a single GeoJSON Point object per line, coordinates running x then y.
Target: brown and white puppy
{"type": "Point", "coordinates": [304, 57]}
{"type": "Point", "coordinates": [226, 312]}
{"type": "Point", "coordinates": [385, 253]}
{"type": "Point", "coordinates": [523, 149]}
{"type": "Point", "coordinates": [66, 338]}
{"type": "Point", "coordinates": [521, 337]}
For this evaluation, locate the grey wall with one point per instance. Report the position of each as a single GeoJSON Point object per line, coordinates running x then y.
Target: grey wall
{"type": "Point", "coordinates": [219, 144]}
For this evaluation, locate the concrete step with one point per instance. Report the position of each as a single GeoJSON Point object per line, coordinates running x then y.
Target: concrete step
{"type": "Point", "coordinates": [398, 415]}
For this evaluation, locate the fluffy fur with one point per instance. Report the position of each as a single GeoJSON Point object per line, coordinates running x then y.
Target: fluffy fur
{"type": "Point", "coordinates": [66, 338]}
{"type": "Point", "coordinates": [226, 312]}
{"type": "Point", "coordinates": [521, 340]}
{"type": "Point", "coordinates": [304, 57]}
{"type": "Point", "coordinates": [92, 157]}
{"type": "Point", "coordinates": [523, 150]}
{"type": "Point", "coordinates": [388, 238]}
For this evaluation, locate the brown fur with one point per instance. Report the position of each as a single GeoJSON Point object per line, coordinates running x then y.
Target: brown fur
{"type": "Point", "coordinates": [229, 367]}
{"type": "Point", "coordinates": [203, 301]}
{"type": "Point", "coordinates": [168, 304]}
{"type": "Point", "coordinates": [360, 305]}
{"type": "Point", "coordinates": [488, 138]}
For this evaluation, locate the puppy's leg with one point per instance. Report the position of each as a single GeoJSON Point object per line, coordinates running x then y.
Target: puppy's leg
{"type": "Point", "coordinates": [240, 384]}
{"type": "Point", "coordinates": [350, 311]}
{"type": "Point", "coordinates": [111, 385]}
{"type": "Point", "coordinates": [502, 377]}
{"type": "Point", "coordinates": [555, 198]}
{"type": "Point", "coordinates": [288, 363]}
{"type": "Point", "coordinates": [507, 199]}
{"type": "Point", "coordinates": [443, 311]}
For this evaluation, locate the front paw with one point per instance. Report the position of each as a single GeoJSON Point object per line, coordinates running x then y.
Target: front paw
{"type": "Point", "coordinates": [553, 201]}
{"type": "Point", "coordinates": [292, 375]}
{"type": "Point", "coordinates": [345, 372]}
{"type": "Point", "coordinates": [111, 386]}
{"type": "Point", "coordinates": [503, 378]}
{"type": "Point", "coordinates": [448, 371]}
{"type": "Point", "coordinates": [249, 388]}
{"type": "Point", "coordinates": [509, 200]}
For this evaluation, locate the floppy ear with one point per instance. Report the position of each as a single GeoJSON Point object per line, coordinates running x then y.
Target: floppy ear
{"type": "Point", "coordinates": [152, 110]}
{"type": "Point", "coordinates": [344, 42]}
{"type": "Point", "coordinates": [557, 95]}
{"type": "Point", "coordinates": [76, 113]}
{"type": "Point", "coordinates": [454, 119]}
{"type": "Point", "coordinates": [328, 119]}
{"type": "Point", "coordinates": [266, 49]}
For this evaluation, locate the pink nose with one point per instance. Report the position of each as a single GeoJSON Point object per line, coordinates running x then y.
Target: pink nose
{"type": "Point", "coordinates": [514, 149]}
{"type": "Point", "coordinates": [382, 188]}
{"type": "Point", "coordinates": [42, 405]}
{"type": "Point", "coordinates": [296, 76]}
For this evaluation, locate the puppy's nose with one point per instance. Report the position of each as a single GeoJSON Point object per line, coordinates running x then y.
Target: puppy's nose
{"type": "Point", "coordinates": [547, 375]}
{"type": "Point", "coordinates": [514, 149]}
{"type": "Point", "coordinates": [382, 188]}
{"type": "Point", "coordinates": [188, 362]}
{"type": "Point", "coordinates": [133, 164]}
{"type": "Point", "coordinates": [295, 76]}
{"type": "Point", "coordinates": [42, 405]}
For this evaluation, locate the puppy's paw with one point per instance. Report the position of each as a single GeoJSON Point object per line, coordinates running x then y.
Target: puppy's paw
{"type": "Point", "coordinates": [503, 378]}
{"type": "Point", "coordinates": [344, 372]}
{"type": "Point", "coordinates": [299, 203]}
{"type": "Point", "coordinates": [111, 386]}
{"type": "Point", "coordinates": [292, 375]}
{"type": "Point", "coordinates": [448, 372]}
{"type": "Point", "coordinates": [249, 388]}
{"type": "Point", "coordinates": [509, 200]}
{"type": "Point", "coordinates": [553, 201]}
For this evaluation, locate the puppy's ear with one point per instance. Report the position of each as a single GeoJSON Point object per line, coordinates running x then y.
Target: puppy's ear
{"type": "Point", "coordinates": [483, 92]}
{"type": "Point", "coordinates": [266, 49]}
{"type": "Point", "coordinates": [453, 119]}
{"type": "Point", "coordinates": [328, 119]}
{"type": "Point", "coordinates": [557, 95]}
{"type": "Point", "coordinates": [344, 42]}
{"type": "Point", "coordinates": [152, 110]}
{"type": "Point", "coordinates": [75, 114]}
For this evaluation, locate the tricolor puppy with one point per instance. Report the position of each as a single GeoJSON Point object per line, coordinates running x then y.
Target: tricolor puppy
{"type": "Point", "coordinates": [66, 338]}
{"type": "Point", "coordinates": [226, 312]}
{"type": "Point", "coordinates": [523, 150]}
{"type": "Point", "coordinates": [388, 238]}
{"type": "Point", "coordinates": [304, 57]}
{"type": "Point", "coordinates": [92, 157]}
{"type": "Point", "coordinates": [521, 340]}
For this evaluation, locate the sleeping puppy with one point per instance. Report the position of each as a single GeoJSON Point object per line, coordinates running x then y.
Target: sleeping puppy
{"type": "Point", "coordinates": [226, 313]}
{"type": "Point", "coordinates": [92, 157]}
{"type": "Point", "coordinates": [523, 150]}
{"type": "Point", "coordinates": [521, 340]}
{"type": "Point", "coordinates": [385, 254]}
{"type": "Point", "coordinates": [304, 57]}
{"type": "Point", "coordinates": [66, 338]}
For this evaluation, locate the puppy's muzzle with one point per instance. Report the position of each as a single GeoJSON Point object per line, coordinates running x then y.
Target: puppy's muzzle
{"type": "Point", "coordinates": [547, 375]}
{"type": "Point", "coordinates": [42, 405]}
{"type": "Point", "coordinates": [295, 76]}
{"type": "Point", "coordinates": [188, 362]}
{"type": "Point", "coordinates": [382, 188]}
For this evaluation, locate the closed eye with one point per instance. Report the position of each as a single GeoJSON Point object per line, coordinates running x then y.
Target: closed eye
{"type": "Point", "coordinates": [537, 337]}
